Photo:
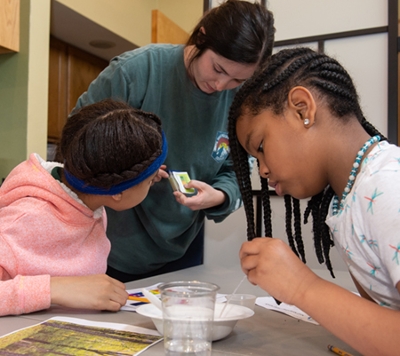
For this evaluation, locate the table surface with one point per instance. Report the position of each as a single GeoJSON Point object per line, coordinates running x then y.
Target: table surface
{"type": "Point", "coordinates": [265, 333]}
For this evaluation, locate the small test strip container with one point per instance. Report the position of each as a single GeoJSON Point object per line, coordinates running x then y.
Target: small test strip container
{"type": "Point", "coordinates": [178, 180]}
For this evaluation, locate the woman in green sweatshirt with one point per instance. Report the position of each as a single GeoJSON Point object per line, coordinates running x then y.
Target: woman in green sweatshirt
{"type": "Point", "coordinates": [190, 88]}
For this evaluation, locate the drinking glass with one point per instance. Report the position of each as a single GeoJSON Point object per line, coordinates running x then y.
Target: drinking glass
{"type": "Point", "coordinates": [188, 315]}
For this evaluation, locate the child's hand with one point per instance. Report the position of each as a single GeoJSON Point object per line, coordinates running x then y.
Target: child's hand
{"type": "Point", "coordinates": [162, 173]}
{"type": "Point", "coordinates": [206, 197]}
{"type": "Point", "coordinates": [99, 292]}
{"type": "Point", "coordinates": [271, 264]}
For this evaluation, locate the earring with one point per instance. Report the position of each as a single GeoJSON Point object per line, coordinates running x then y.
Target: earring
{"type": "Point", "coordinates": [306, 122]}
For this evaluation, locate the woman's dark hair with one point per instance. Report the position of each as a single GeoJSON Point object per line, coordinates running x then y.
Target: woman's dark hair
{"type": "Point", "coordinates": [238, 30]}
{"type": "Point", "coordinates": [268, 89]}
{"type": "Point", "coordinates": [109, 142]}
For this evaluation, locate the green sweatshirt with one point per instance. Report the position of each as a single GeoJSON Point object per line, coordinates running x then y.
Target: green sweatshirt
{"type": "Point", "coordinates": [153, 78]}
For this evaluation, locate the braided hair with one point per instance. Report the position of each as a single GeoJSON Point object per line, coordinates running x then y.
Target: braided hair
{"type": "Point", "coordinates": [109, 142]}
{"type": "Point", "coordinates": [268, 89]}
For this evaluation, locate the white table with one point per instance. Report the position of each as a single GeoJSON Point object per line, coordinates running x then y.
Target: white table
{"type": "Point", "coordinates": [265, 333]}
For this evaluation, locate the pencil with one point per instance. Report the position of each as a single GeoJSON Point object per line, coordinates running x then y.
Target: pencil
{"type": "Point", "coordinates": [338, 351]}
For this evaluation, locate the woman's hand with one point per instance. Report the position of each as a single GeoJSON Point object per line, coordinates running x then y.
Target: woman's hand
{"type": "Point", "coordinates": [99, 292]}
{"type": "Point", "coordinates": [206, 197]}
{"type": "Point", "coordinates": [271, 264]}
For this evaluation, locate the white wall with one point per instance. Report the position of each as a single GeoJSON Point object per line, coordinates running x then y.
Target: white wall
{"type": "Point", "coordinates": [365, 58]}
{"type": "Point", "coordinates": [296, 19]}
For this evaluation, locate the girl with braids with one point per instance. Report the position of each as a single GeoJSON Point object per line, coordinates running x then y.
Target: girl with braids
{"type": "Point", "coordinates": [53, 245]}
{"type": "Point", "coordinates": [300, 118]}
{"type": "Point", "coordinates": [190, 87]}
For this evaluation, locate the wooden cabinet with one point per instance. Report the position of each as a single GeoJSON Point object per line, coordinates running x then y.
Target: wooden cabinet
{"type": "Point", "coordinates": [71, 70]}
{"type": "Point", "coordinates": [164, 30]}
{"type": "Point", "coordinates": [9, 26]}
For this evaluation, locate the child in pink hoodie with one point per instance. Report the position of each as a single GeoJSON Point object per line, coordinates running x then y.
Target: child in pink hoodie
{"type": "Point", "coordinates": [53, 244]}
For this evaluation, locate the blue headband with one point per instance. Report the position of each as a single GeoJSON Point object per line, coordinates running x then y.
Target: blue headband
{"type": "Point", "coordinates": [83, 187]}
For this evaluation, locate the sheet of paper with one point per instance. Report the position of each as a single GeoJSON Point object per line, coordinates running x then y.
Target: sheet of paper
{"type": "Point", "coordinates": [291, 310]}
{"type": "Point", "coordinates": [73, 336]}
{"type": "Point", "coordinates": [136, 297]}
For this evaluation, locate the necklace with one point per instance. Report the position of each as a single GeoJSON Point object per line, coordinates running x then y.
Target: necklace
{"type": "Point", "coordinates": [335, 205]}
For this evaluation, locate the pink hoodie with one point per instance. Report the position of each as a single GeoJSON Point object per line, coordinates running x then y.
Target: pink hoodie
{"type": "Point", "coordinates": [43, 232]}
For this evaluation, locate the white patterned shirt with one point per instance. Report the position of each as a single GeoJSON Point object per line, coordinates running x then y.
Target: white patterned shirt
{"type": "Point", "coordinates": [367, 231]}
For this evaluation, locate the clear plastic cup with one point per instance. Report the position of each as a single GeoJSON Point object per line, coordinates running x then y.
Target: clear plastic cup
{"type": "Point", "coordinates": [188, 315]}
{"type": "Point", "coordinates": [245, 300]}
